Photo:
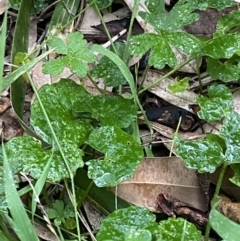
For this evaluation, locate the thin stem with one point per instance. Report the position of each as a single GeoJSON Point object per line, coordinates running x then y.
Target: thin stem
{"type": "Point", "coordinates": [85, 194]}
{"type": "Point", "coordinates": [175, 134]}
{"type": "Point", "coordinates": [134, 13]}
{"type": "Point", "coordinates": [165, 76]}
{"type": "Point", "coordinates": [105, 28]}
{"type": "Point", "coordinates": [215, 197]}
{"type": "Point", "coordinates": [61, 152]}
{"type": "Point", "coordinates": [199, 77]}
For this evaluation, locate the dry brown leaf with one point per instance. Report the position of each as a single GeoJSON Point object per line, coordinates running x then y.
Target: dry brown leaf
{"type": "Point", "coordinates": [39, 78]}
{"type": "Point", "coordinates": [44, 232]}
{"type": "Point", "coordinates": [229, 208]}
{"type": "Point", "coordinates": [32, 39]}
{"type": "Point", "coordinates": [166, 175]}
{"type": "Point", "coordinates": [181, 99]}
{"type": "Point", "coordinates": [3, 6]}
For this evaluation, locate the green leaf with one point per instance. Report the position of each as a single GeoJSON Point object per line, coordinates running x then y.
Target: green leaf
{"type": "Point", "coordinates": [64, 13]}
{"type": "Point", "coordinates": [109, 110]}
{"type": "Point", "coordinates": [220, 4]}
{"type": "Point", "coordinates": [222, 71]}
{"type": "Point", "coordinates": [236, 178]}
{"type": "Point", "coordinates": [77, 55]}
{"type": "Point", "coordinates": [107, 69]}
{"type": "Point", "coordinates": [174, 229]}
{"type": "Point", "coordinates": [59, 213]}
{"type": "Point", "coordinates": [225, 228]}
{"type": "Point", "coordinates": [101, 4]}
{"type": "Point", "coordinates": [161, 53]}
{"type": "Point", "coordinates": [203, 155]}
{"type": "Point", "coordinates": [228, 21]}
{"type": "Point", "coordinates": [217, 139]}
{"type": "Point", "coordinates": [20, 221]}
{"type": "Point", "coordinates": [26, 154]}
{"type": "Point", "coordinates": [59, 100]}
{"type": "Point", "coordinates": [55, 67]}
{"type": "Point", "coordinates": [58, 44]}
{"type": "Point", "coordinates": [131, 219]}
{"type": "Point", "coordinates": [231, 134]}
{"type": "Point", "coordinates": [179, 86]}
{"type": "Point", "coordinates": [218, 105]}
{"type": "Point", "coordinates": [185, 42]}
{"type": "Point", "coordinates": [70, 223]}
{"type": "Point", "coordinates": [3, 33]}
{"type": "Point", "coordinates": [222, 46]}
{"type": "Point", "coordinates": [180, 15]}
{"type": "Point", "coordinates": [21, 31]}
{"type": "Point", "coordinates": [36, 8]}
{"type": "Point", "coordinates": [10, 78]}
{"type": "Point", "coordinates": [160, 45]}
{"type": "Point", "coordinates": [122, 156]}
{"type": "Point", "coordinates": [138, 235]}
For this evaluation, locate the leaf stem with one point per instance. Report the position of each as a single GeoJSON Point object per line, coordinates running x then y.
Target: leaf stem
{"type": "Point", "coordinates": [215, 197]}
{"type": "Point", "coordinates": [165, 76]}
{"type": "Point", "coordinates": [105, 27]}
{"type": "Point", "coordinates": [134, 13]}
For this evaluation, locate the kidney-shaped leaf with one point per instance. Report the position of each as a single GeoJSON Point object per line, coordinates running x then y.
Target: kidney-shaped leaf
{"type": "Point", "coordinates": [203, 155]}
{"type": "Point", "coordinates": [175, 229]}
{"type": "Point", "coordinates": [26, 154]}
{"type": "Point", "coordinates": [58, 100]}
{"type": "Point", "coordinates": [222, 46]}
{"type": "Point", "coordinates": [218, 105]}
{"type": "Point", "coordinates": [122, 156]}
{"type": "Point", "coordinates": [230, 132]}
{"type": "Point", "coordinates": [222, 71]}
{"type": "Point", "coordinates": [123, 221]}
{"type": "Point", "coordinates": [109, 110]}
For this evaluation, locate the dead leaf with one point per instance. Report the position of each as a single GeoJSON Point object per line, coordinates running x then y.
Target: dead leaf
{"type": "Point", "coordinates": [3, 6]}
{"type": "Point", "coordinates": [181, 99]}
{"type": "Point", "coordinates": [166, 175]}
{"type": "Point", "coordinates": [229, 208]}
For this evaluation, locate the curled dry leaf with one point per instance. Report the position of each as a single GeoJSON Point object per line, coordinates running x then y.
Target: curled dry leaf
{"type": "Point", "coordinates": [229, 208]}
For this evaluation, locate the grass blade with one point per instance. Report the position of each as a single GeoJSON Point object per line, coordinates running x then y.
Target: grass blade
{"type": "Point", "coordinates": [2, 46]}
{"type": "Point", "coordinates": [9, 79]}
{"type": "Point", "coordinates": [20, 44]}
{"type": "Point", "coordinates": [21, 223]}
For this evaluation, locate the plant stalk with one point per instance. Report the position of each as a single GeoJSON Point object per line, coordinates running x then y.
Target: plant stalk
{"type": "Point", "coordinates": [165, 76]}
{"type": "Point", "coordinates": [215, 197]}
{"type": "Point", "coordinates": [62, 154]}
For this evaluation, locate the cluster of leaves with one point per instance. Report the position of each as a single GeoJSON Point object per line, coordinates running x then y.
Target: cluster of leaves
{"type": "Point", "coordinates": [68, 119]}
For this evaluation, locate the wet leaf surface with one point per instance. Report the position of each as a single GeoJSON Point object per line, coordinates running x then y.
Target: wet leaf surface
{"type": "Point", "coordinates": [222, 46]}
{"type": "Point", "coordinates": [231, 134]}
{"type": "Point", "coordinates": [217, 105]}
{"type": "Point", "coordinates": [109, 70]}
{"type": "Point", "coordinates": [26, 154]}
{"type": "Point", "coordinates": [122, 156]}
{"type": "Point", "coordinates": [223, 71]}
{"type": "Point", "coordinates": [175, 229]}
{"type": "Point", "coordinates": [203, 155]}
{"type": "Point", "coordinates": [126, 220]}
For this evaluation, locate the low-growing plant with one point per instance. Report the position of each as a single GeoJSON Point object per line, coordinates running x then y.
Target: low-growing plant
{"type": "Point", "coordinates": [74, 128]}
